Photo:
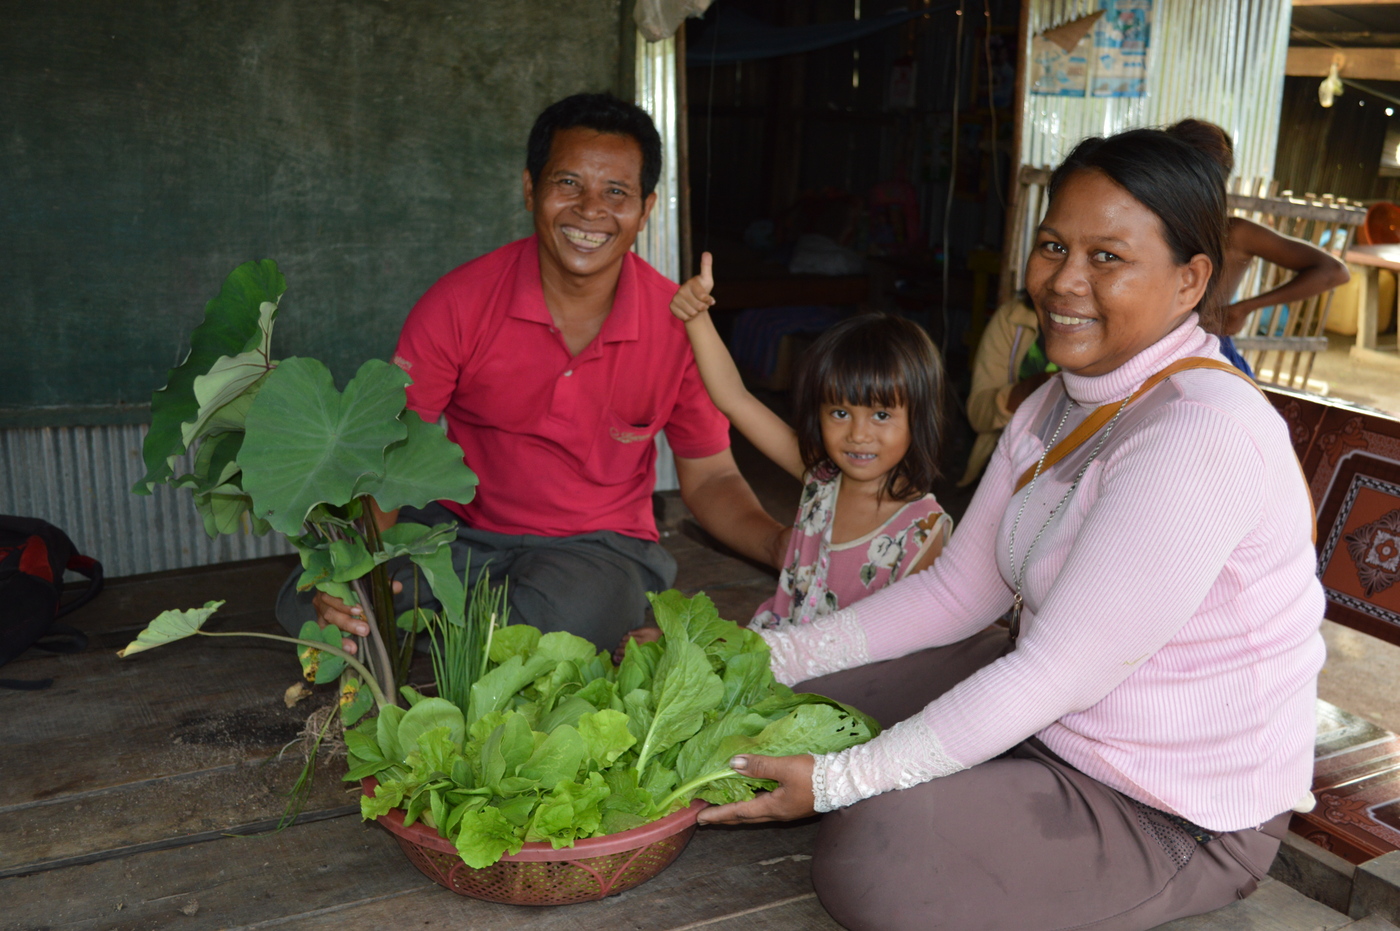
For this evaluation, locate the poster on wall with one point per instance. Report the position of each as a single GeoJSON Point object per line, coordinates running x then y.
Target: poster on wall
{"type": "Point", "coordinates": [1121, 39]}
{"type": "Point", "coordinates": [1060, 58]}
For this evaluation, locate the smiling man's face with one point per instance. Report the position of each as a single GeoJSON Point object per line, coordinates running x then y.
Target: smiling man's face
{"type": "Point", "coordinates": [588, 203]}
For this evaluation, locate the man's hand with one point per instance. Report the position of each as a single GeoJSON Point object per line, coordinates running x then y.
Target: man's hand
{"type": "Point", "coordinates": [693, 298]}
{"type": "Point", "coordinates": [791, 800]}
{"type": "Point", "coordinates": [646, 634]}
{"type": "Point", "coordinates": [331, 610]}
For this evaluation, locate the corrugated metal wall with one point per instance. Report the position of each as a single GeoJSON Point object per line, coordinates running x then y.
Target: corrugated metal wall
{"type": "Point", "coordinates": [1218, 60]}
{"type": "Point", "coordinates": [659, 243]}
{"type": "Point", "coordinates": [79, 479]}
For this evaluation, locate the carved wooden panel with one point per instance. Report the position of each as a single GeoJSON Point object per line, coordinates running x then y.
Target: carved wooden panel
{"type": "Point", "coordinates": [1350, 457]}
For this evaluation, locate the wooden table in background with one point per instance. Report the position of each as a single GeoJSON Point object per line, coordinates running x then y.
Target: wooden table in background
{"type": "Point", "coordinates": [1374, 258]}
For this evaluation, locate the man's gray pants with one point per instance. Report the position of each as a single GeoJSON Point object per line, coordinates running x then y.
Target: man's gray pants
{"type": "Point", "coordinates": [593, 585]}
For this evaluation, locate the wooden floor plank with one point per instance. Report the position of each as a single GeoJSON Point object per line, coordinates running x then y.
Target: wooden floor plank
{"type": "Point", "coordinates": [127, 603]}
{"type": "Point", "coordinates": [232, 881]}
{"type": "Point", "coordinates": [800, 913]}
{"type": "Point", "coordinates": [186, 707]}
{"type": "Point", "coordinates": [342, 873]}
{"type": "Point", "coordinates": [162, 812]}
{"type": "Point", "coordinates": [1273, 907]}
{"type": "Point", "coordinates": [700, 567]}
{"type": "Point", "coordinates": [723, 872]}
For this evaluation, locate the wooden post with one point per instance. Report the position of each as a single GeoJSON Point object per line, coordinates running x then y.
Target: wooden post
{"type": "Point", "coordinates": [1018, 114]}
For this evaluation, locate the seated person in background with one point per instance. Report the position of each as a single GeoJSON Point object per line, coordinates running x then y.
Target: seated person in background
{"type": "Point", "coordinates": [555, 364]}
{"type": "Point", "coordinates": [1317, 271]}
{"type": "Point", "coordinates": [865, 447]}
{"type": "Point", "coordinates": [1009, 366]}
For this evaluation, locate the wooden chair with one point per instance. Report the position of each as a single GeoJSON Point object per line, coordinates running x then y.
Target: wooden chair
{"type": "Point", "coordinates": [1027, 209]}
{"type": "Point", "coordinates": [1283, 354]}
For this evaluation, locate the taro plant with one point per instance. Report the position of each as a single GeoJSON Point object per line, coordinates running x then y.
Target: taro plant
{"type": "Point", "coordinates": [274, 445]}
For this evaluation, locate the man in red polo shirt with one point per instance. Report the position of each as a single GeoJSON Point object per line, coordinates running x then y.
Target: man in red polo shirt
{"type": "Point", "coordinates": [555, 363]}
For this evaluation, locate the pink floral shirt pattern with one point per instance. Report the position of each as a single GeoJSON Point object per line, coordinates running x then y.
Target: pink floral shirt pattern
{"type": "Point", "coordinates": [818, 577]}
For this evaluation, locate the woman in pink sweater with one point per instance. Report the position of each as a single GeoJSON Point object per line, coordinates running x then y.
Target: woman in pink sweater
{"type": "Point", "coordinates": [1131, 752]}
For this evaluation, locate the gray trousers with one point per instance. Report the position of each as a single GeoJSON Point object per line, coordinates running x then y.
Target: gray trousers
{"type": "Point", "coordinates": [1022, 842]}
{"type": "Point", "coordinates": [593, 585]}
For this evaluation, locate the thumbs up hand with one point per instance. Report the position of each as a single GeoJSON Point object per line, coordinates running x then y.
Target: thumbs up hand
{"type": "Point", "coordinates": [693, 298]}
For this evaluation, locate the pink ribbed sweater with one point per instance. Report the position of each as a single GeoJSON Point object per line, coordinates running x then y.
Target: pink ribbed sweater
{"type": "Point", "coordinates": [1170, 638]}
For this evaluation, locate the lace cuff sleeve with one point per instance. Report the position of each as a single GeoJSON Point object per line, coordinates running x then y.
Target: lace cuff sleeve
{"type": "Point", "coordinates": [902, 757]}
{"type": "Point", "coordinates": [828, 644]}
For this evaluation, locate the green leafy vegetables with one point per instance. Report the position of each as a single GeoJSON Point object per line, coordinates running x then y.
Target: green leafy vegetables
{"type": "Point", "coordinates": [557, 744]}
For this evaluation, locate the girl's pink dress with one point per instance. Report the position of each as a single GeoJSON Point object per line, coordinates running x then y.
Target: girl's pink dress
{"type": "Point", "coordinates": [819, 577]}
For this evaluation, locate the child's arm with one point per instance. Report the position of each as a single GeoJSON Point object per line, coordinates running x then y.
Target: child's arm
{"type": "Point", "coordinates": [763, 428]}
{"type": "Point", "coordinates": [932, 552]}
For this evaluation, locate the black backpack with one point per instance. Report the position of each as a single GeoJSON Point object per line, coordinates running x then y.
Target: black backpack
{"type": "Point", "coordinates": [33, 557]}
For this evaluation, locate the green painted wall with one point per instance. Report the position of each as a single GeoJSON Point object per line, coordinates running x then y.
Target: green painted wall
{"type": "Point", "coordinates": [149, 146]}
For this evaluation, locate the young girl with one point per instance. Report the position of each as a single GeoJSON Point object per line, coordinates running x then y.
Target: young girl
{"type": "Point", "coordinates": [866, 406]}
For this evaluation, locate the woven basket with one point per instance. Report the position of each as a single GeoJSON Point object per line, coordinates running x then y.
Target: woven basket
{"type": "Point", "coordinates": [540, 875]}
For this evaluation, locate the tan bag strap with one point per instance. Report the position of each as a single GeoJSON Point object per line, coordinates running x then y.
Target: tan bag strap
{"type": "Point", "coordinates": [1095, 422]}
{"type": "Point", "coordinates": [1102, 415]}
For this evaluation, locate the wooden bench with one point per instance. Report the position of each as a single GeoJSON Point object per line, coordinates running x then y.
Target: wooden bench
{"type": "Point", "coordinates": [1351, 460]}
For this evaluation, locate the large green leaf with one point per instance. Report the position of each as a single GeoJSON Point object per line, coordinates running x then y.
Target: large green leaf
{"type": "Point", "coordinates": [445, 583]}
{"type": "Point", "coordinates": [558, 757]}
{"type": "Point", "coordinates": [231, 376]}
{"type": "Point", "coordinates": [355, 700]}
{"type": "Point", "coordinates": [409, 539]}
{"type": "Point", "coordinates": [215, 464]}
{"type": "Point", "coordinates": [319, 666]}
{"type": "Point", "coordinates": [606, 735]}
{"type": "Point", "coordinates": [684, 689]}
{"type": "Point", "coordinates": [508, 746]}
{"type": "Point", "coordinates": [424, 466]}
{"type": "Point", "coordinates": [230, 322]}
{"type": "Point", "coordinates": [222, 509]}
{"type": "Point", "coordinates": [569, 812]}
{"type": "Point", "coordinates": [697, 617]}
{"type": "Point", "coordinates": [426, 715]}
{"type": "Point", "coordinates": [515, 640]}
{"type": "Point", "coordinates": [492, 691]}
{"type": "Point", "coordinates": [484, 835]}
{"type": "Point", "coordinates": [308, 444]}
{"type": "Point", "coordinates": [170, 626]}
{"type": "Point", "coordinates": [387, 732]}
{"type": "Point", "coordinates": [701, 752]}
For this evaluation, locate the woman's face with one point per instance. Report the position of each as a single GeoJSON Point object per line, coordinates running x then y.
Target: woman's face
{"type": "Point", "coordinates": [1103, 279]}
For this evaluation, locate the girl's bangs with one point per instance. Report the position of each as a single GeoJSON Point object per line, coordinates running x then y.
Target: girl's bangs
{"type": "Point", "coordinates": [865, 385]}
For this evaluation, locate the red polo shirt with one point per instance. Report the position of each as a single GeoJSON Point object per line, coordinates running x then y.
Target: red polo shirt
{"type": "Point", "coordinates": [562, 444]}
